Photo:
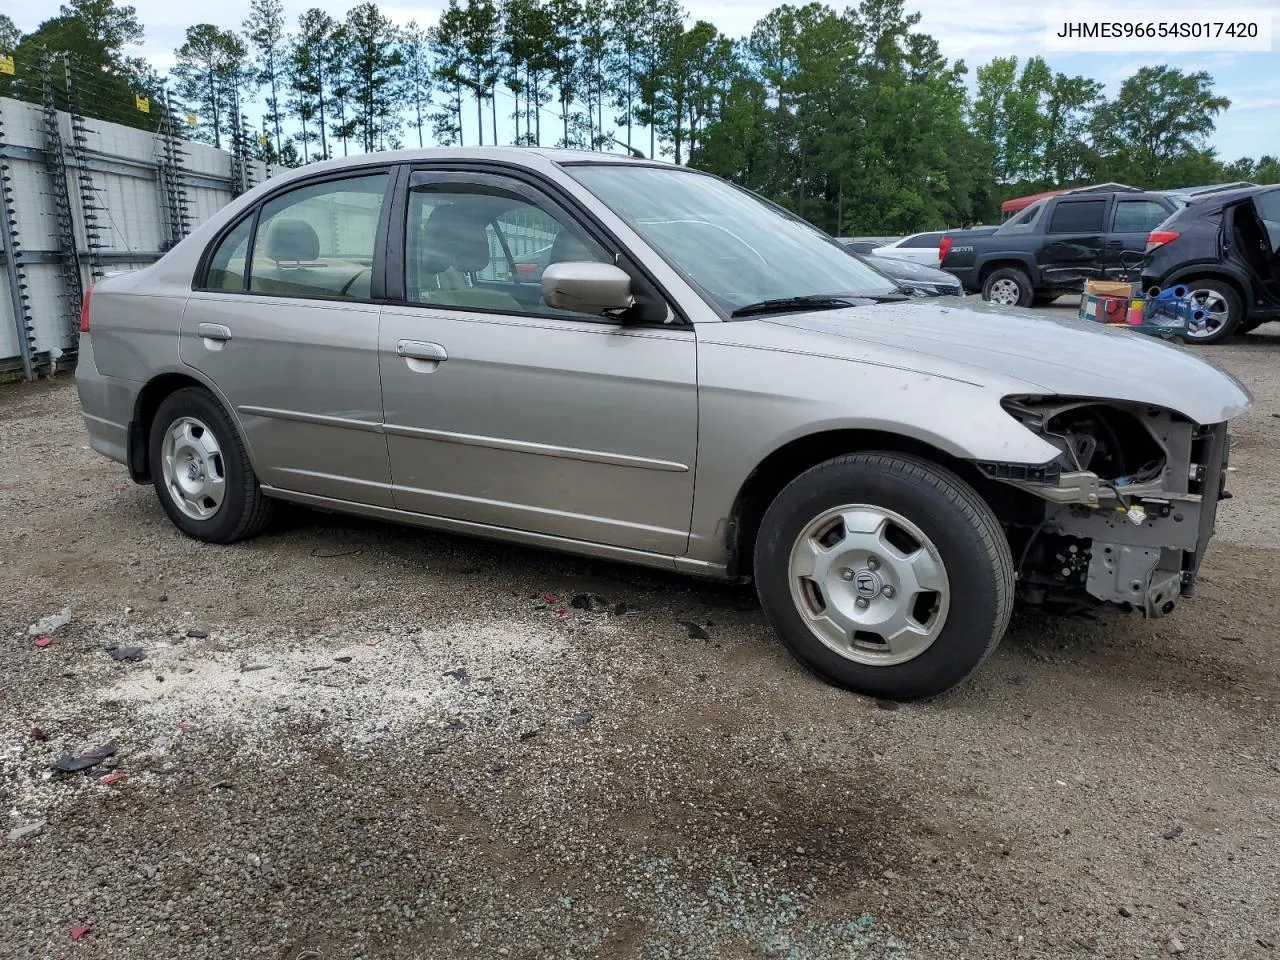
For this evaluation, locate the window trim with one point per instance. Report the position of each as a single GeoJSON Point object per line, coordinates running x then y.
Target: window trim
{"type": "Point", "coordinates": [532, 184]}
{"type": "Point", "coordinates": [200, 278]}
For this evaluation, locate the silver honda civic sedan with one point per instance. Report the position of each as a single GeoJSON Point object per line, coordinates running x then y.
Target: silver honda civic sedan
{"type": "Point", "coordinates": [640, 362]}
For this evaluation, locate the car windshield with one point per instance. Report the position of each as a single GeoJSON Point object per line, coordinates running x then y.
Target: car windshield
{"type": "Point", "coordinates": [734, 248]}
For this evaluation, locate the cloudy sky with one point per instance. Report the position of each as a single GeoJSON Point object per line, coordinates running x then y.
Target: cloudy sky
{"type": "Point", "coordinates": [975, 30]}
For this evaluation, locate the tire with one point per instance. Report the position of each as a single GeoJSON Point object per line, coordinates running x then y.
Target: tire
{"type": "Point", "coordinates": [1248, 326]}
{"type": "Point", "coordinates": [1226, 311]}
{"type": "Point", "coordinates": [192, 430]}
{"type": "Point", "coordinates": [934, 510]}
{"type": "Point", "coordinates": [1008, 286]}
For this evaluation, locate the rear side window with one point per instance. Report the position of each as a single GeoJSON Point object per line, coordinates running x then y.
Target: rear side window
{"type": "Point", "coordinates": [1024, 222]}
{"type": "Point", "coordinates": [1079, 216]}
{"type": "Point", "coordinates": [922, 240]}
{"type": "Point", "coordinates": [1268, 205]}
{"type": "Point", "coordinates": [226, 266]}
{"type": "Point", "coordinates": [318, 240]}
{"type": "Point", "coordinates": [1138, 216]}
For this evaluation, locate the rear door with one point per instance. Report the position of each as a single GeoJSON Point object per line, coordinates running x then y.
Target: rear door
{"type": "Point", "coordinates": [1074, 244]}
{"type": "Point", "coordinates": [286, 327]}
{"type": "Point", "coordinates": [1132, 219]}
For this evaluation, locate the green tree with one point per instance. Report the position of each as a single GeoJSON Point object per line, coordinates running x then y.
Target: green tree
{"type": "Point", "coordinates": [1153, 133]}
{"type": "Point", "coordinates": [662, 25]}
{"type": "Point", "coordinates": [264, 29]}
{"type": "Point", "coordinates": [526, 52]}
{"type": "Point", "coordinates": [448, 45]}
{"type": "Point", "coordinates": [9, 34]}
{"type": "Point", "coordinates": [415, 75]}
{"type": "Point", "coordinates": [562, 55]}
{"type": "Point", "coordinates": [211, 69]}
{"type": "Point", "coordinates": [624, 59]}
{"type": "Point", "coordinates": [312, 57]}
{"type": "Point", "coordinates": [338, 67]}
{"type": "Point", "coordinates": [480, 41]}
{"type": "Point", "coordinates": [595, 40]}
{"type": "Point", "coordinates": [376, 58]}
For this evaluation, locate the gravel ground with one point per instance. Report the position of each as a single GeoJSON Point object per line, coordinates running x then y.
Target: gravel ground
{"type": "Point", "coordinates": [346, 739]}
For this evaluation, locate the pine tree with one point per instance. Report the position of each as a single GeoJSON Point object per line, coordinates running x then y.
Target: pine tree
{"type": "Point", "coordinates": [416, 75]}
{"type": "Point", "coordinates": [376, 58]}
{"type": "Point", "coordinates": [211, 69]}
{"type": "Point", "coordinates": [264, 30]}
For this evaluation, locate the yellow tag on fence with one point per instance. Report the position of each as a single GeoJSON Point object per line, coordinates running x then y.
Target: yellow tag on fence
{"type": "Point", "coordinates": [192, 120]}
{"type": "Point", "coordinates": [6, 65]}
{"type": "Point", "coordinates": [142, 103]}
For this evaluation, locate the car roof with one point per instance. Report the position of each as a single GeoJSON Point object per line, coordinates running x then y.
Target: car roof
{"type": "Point", "coordinates": [1211, 202]}
{"type": "Point", "coordinates": [517, 156]}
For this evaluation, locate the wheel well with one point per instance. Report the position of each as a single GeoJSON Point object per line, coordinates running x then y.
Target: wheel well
{"type": "Point", "coordinates": [992, 266]}
{"type": "Point", "coordinates": [144, 411]}
{"type": "Point", "coordinates": [786, 463]}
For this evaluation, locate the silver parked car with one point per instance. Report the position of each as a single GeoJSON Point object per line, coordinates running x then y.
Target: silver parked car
{"type": "Point", "coordinates": [694, 380]}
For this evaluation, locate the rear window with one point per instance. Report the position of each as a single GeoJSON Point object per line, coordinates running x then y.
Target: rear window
{"type": "Point", "coordinates": [922, 240]}
{"type": "Point", "coordinates": [1025, 221]}
{"type": "Point", "coordinates": [1078, 216]}
{"type": "Point", "coordinates": [1268, 205]}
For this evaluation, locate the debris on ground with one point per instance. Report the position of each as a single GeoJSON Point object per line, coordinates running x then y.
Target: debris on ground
{"type": "Point", "coordinates": [125, 653]}
{"type": "Point", "coordinates": [44, 641]}
{"type": "Point", "coordinates": [1176, 946]}
{"type": "Point", "coordinates": [696, 631]}
{"type": "Point", "coordinates": [50, 624]}
{"type": "Point", "coordinates": [37, 734]}
{"type": "Point", "coordinates": [195, 633]}
{"type": "Point", "coordinates": [112, 779]}
{"type": "Point", "coordinates": [27, 830]}
{"type": "Point", "coordinates": [1173, 831]}
{"type": "Point", "coordinates": [71, 763]}
{"type": "Point", "coordinates": [460, 674]}
{"type": "Point", "coordinates": [581, 719]}
{"type": "Point", "coordinates": [78, 932]}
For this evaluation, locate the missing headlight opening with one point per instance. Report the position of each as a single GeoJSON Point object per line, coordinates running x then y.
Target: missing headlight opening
{"type": "Point", "coordinates": [1115, 519]}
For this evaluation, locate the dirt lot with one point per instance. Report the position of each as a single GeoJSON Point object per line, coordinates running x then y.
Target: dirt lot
{"type": "Point", "coordinates": [346, 739]}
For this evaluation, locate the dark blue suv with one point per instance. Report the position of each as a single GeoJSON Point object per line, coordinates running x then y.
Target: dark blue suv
{"type": "Point", "coordinates": [1225, 247]}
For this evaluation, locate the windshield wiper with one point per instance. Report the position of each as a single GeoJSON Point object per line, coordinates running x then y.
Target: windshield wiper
{"type": "Point", "coordinates": [783, 304]}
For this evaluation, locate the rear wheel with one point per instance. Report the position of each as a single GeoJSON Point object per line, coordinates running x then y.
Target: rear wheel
{"type": "Point", "coordinates": [884, 574]}
{"type": "Point", "coordinates": [1009, 287]}
{"type": "Point", "coordinates": [1223, 309]}
{"type": "Point", "coordinates": [201, 470]}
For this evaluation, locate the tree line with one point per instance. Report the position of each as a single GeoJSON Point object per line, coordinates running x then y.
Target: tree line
{"type": "Point", "coordinates": [853, 118]}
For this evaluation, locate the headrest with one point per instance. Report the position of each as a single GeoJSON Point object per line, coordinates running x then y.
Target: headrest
{"type": "Point", "coordinates": [569, 249]}
{"type": "Point", "coordinates": [291, 240]}
{"type": "Point", "coordinates": [454, 236]}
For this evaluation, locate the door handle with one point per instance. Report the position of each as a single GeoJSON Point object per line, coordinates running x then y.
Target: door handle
{"type": "Point", "coordinates": [1115, 244]}
{"type": "Point", "coordinates": [214, 331]}
{"type": "Point", "coordinates": [421, 350]}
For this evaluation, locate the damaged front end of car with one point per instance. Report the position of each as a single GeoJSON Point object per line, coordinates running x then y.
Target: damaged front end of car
{"type": "Point", "coordinates": [1122, 516]}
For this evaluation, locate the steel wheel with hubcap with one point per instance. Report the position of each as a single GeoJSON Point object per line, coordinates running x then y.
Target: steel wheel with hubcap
{"type": "Point", "coordinates": [191, 463]}
{"type": "Point", "coordinates": [857, 563]}
{"type": "Point", "coordinates": [1005, 291]}
{"type": "Point", "coordinates": [1009, 287]}
{"type": "Point", "coordinates": [871, 585]}
{"type": "Point", "coordinates": [201, 470]}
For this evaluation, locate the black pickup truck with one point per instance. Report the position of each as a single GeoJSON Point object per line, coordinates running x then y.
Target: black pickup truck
{"type": "Point", "coordinates": [1055, 245]}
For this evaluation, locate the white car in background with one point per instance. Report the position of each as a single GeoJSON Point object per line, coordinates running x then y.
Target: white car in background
{"type": "Point", "coordinates": [923, 247]}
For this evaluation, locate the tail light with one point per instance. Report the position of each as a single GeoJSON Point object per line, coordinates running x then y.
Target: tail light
{"type": "Point", "coordinates": [943, 246]}
{"type": "Point", "coordinates": [1158, 238]}
{"type": "Point", "coordinates": [84, 309]}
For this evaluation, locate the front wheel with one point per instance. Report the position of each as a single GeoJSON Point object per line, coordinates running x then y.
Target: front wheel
{"type": "Point", "coordinates": [884, 574]}
{"type": "Point", "coordinates": [201, 470]}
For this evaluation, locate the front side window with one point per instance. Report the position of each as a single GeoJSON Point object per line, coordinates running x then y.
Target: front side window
{"type": "Point", "coordinates": [733, 248]}
{"type": "Point", "coordinates": [1078, 216]}
{"type": "Point", "coordinates": [480, 246]}
{"type": "Point", "coordinates": [318, 240]}
{"type": "Point", "coordinates": [1138, 216]}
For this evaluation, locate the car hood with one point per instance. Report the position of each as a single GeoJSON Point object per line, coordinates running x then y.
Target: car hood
{"type": "Point", "coordinates": [1051, 355]}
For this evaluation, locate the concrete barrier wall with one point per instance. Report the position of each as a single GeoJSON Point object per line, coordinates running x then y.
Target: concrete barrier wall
{"type": "Point", "coordinates": [134, 213]}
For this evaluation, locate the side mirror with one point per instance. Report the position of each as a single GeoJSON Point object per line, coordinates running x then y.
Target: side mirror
{"type": "Point", "coordinates": [586, 287]}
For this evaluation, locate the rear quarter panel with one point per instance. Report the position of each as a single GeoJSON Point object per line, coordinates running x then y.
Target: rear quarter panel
{"type": "Point", "coordinates": [135, 322]}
